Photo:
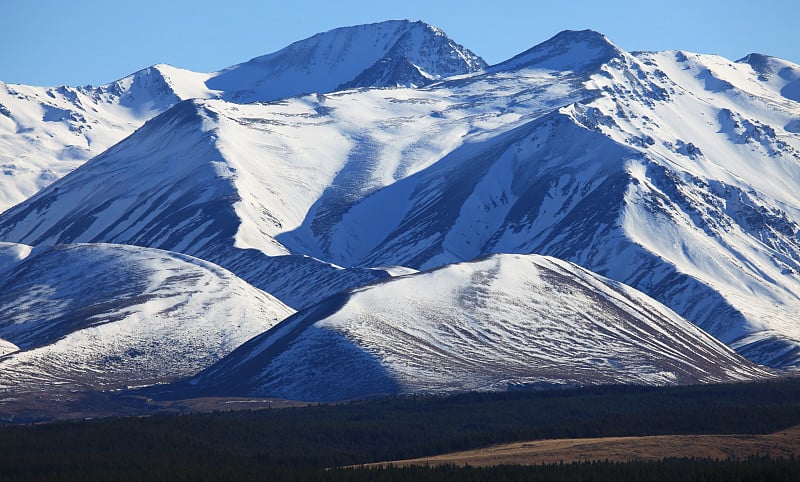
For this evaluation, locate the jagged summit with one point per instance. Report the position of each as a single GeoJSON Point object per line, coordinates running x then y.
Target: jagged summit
{"type": "Point", "coordinates": [573, 50]}
{"type": "Point", "coordinates": [423, 54]}
{"type": "Point", "coordinates": [352, 56]}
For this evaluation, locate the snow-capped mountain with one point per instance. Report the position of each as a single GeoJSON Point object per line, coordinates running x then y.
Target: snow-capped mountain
{"type": "Point", "coordinates": [170, 186]}
{"type": "Point", "coordinates": [502, 322]}
{"type": "Point", "coordinates": [46, 132]}
{"type": "Point", "coordinates": [781, 76]}
{"type": "Point", "coordinates": [386, 54]}
{"type": "Point", "coordinates": [674, 173]}
{"type": "Point", "coordinates": [318, 64]}
{"type": "Point", "coordinates": [582, 51]}
{"type": "Point", "coordinates": [102, 316]}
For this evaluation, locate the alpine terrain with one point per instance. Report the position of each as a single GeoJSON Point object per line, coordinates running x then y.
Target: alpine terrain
{"type": "Point", "coordinates": [102, 316]}
{"type": "Point", "coordinates": [575, 215]}
{"type": "Point", "coordinates": [507, 321]}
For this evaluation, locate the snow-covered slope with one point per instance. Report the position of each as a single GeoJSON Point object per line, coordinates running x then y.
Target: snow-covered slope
{"type": "Point", "coordinates": [502, 322]}
{"type": "Point", "coordinates": [675, 173]}
{"type": "Point", "coordinates": [779, 75]}
{"type": "Point", "coordinates": [570, 50]}
{"type": "Point", "coordinates": [100, 316]}
{"type": "Point", "coordinates": [7, 347]}
{"type": "Point", "coordinates": [169, 186]}
{"type": "Point", "coordinates": [386, 54]}
{"type": "Point", "coordinates": [47, 132]}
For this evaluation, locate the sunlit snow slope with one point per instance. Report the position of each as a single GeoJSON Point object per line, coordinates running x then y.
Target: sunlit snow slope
{"type": "Point", "coordinates": [502, 322]}
{"type": "Point", "coordinates": [45, 132]}
{"type": "Point", "coordinates": [675, 173]}
{"type": "Point", "coordinates": [101, 316]}
{"type": "Point", "coordinates": [169, 186]}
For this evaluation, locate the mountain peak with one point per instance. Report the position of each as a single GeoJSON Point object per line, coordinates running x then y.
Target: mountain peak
{"type": "Point", "coordinates": [328, 60]}
{"type": "Point", "coordinates": [783, 75]}
{"type": "Point", "coordinates": [148, 89]}
{"type": "Point", "coordinates": [585, 35]}
{"type": "Point", "coordinates": [768, 65]}
{"type": "Point", "coordinates": [575, 50]}
{"type": "Point", "coordinates": [158, 87]}
{"type": "Point", "coordinates": [421, 55]}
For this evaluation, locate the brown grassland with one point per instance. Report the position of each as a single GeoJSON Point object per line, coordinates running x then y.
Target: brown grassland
{"type": "Point", "coordinates": [782, 444]}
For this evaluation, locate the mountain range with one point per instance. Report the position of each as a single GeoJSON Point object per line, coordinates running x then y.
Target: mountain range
{"type": "Point", "coordinates": [378, 211]}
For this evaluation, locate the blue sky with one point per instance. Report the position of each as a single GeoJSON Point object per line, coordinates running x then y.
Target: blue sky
{"type": "Point", "coordinates": [53, 42]}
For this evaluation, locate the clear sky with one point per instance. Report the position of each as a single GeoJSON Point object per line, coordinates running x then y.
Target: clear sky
{"type": "Point", "coordinates": [78, 42]}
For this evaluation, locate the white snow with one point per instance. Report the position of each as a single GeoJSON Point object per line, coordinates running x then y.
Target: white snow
{"type": "Point", "coordinates": [355, 178]}
{"type": "Point", "coordinates": [322, 63]}
{"type": "Point", "coordinates": [503, 321]}
{"type": "Point", "coordinates": [6, 347]}
{"type": "Point", "coordinates": [12, 254]}
{"type": "Point", "coordinates": [50, 131]}
{"type": "Point", "coordinates": [164, 317]}
{"type": "Point", "coordinates": [677, 173]}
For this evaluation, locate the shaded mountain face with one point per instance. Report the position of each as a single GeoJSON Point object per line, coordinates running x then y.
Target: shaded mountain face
{"type": "Point", "coordinates": [502, 322]}
{"type": "Point", "coordinates": [675, 173]}
{"type": "Point", "coordinates": [779, 74]}
{"type": "Point", "coordinates": [102, 316]}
